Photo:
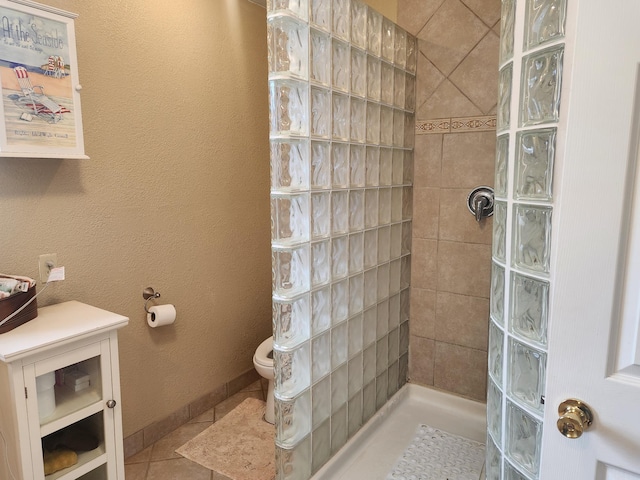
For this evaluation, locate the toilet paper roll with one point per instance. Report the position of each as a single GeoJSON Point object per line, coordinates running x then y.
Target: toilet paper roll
{"type": "Point", "coordinates": [160, 315]}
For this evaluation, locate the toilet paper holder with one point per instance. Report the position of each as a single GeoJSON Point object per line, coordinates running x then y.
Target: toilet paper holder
{"type": "Point", "coordinates": [149, 294]}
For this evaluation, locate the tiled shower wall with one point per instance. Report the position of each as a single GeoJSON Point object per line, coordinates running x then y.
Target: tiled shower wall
{"type": "Point", "coordinates": [342, 97]}
{"type": "Point", "coordinates": [456, 97]}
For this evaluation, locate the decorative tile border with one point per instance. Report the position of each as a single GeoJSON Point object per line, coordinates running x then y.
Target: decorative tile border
{"type": "Point", "coordinates": [485, 123]}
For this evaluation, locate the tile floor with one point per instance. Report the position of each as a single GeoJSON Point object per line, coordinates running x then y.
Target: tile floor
{"type": "Point", "coordinates": [160, 461]}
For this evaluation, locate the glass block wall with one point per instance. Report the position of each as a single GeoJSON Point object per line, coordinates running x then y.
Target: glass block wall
{"type": "Point", "coordinates": [342, 100]}
{"type": "Point", "coordinates": [531, 58]}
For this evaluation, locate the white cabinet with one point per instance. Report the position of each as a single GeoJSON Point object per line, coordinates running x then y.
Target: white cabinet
{"type": "Point", "coordinates": [78, 344]}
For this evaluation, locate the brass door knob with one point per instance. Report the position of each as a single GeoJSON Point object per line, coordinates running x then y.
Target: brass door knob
{"type": "Point", "coordinates": [575, 418]}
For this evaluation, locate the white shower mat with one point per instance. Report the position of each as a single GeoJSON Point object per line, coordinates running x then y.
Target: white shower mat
{"type": "Point", "coordinates": [437, 455]}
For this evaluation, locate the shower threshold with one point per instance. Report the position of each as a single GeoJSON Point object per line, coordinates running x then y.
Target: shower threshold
{"type": "Point", "coordinates": [372, 452]}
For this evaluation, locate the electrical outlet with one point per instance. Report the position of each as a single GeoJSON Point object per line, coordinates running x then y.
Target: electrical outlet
{"type": "Point", "coordinates": [46, 262]}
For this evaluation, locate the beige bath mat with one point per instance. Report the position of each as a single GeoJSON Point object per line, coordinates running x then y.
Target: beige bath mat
{"type": "Point", "coordinates": [240, 446]}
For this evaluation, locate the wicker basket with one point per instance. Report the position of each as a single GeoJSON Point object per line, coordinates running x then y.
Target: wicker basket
{"type": "Point", "coordinates": [11, 304]}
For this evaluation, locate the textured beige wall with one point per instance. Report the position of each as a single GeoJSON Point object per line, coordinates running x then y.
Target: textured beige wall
{"type": "Point", "coordinates": [175, 195]}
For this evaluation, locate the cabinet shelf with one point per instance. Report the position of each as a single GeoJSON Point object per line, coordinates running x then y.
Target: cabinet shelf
{"type": "Point", "coordinates": [87, 461]}
{"type": "Point", "coordinates": [70, 408]}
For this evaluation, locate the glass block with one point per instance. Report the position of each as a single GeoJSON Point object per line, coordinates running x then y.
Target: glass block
{"type": "Point", "coordinates": [531, 238]}
{"type": "Point", "coordinates": [382, 387]}
{"type": "Point", "coordinates": [396, 204]}
{"type": "Point", "coordinates": [384, 206]}
{"type": "Point", "coordinates": [395, 269]}
{"type": "Point", "coordinates": [370, 287]}
{"type": "Point", "coordinates": [386, 126]}
{"type": "Point", "coordinates": [374, 32]}
{"type": "Point", "coordinates": [299, 8]}
{"type": "Point", "coordinates": [320, 165]}
{"type": "Point", "coordinates": [372, 174]}
{"type": "Point", "coordinates": [340, 165]}
{"type": "Point", "coordinates": [382, 324]}
{"type": "Point", "coordinates": [295, 463]}
{"type": "Point", "coordinates": [541, 82]}
{"type": "Point", "coordinates": [503, 115]}
{"type": "Point", "coordinates": [496, 347]}
{"type": "Point", "coordinates": [394, 311]}
{"type": "Point", "coordinates": [407, 166]}
{"type": "Point", "coordinates": [397, 170]}
{"type": "Point", "coordinates": [393, 382]}
{"type": "Point", "coordinates": [339, 257]}
{"type": "Point", "coordinates": [321, 401]}
{"type": "Point", "coordinates": [357, 165]}
{"type": "Point", "coordinates": [386, 166]}
{"type": "Point", "coordinates": [341, 62]}
{"type": "Point", "coordinates": [291, 324]}
{"type": "Point", "coordinates": [288, 47]}
{"type": "Point", "coordinates": [292, 371]}
{"type": "Point", "coordinates": [384, 244]}
{"type": "Point", "coordinates": [494, 411]}
{"type": "Point", "coordinates": [320, 310]}
{"type": "Point", "coordinates": [493, 461]}
{"type": "Point", "coordinates": [320, 14]}
{"type": "Point", "coordinates": [388, 39]}
{"type": "Point", "coordinates": [368, 401]}
{"type": "Point", "coordinates": [407, 203]}
{"type": "Point", "coordinates": [502, 166]}
{"type": "Point", "coordinates": [358, 120]}
{"type": "Point", "coordinates": [355, 341]}
{"type": "Point", "coordinates": [387, 75]}
{"type": "Point", "coordinates": [526, 376]}
{"type": "Point", "coordinates": [289, 105]}
{"type": "Point", "coordinates": [339, 212]}
{"type": "Point", "coordinates": [405, 272]}
{"type": "Point", "coordinates": [356, 210]}
{"type": "Point", "coordinates": [289, 219]}
{"type": "Point", "coordinates": [356, 253]}
{"type": "Point", "coordinates": [398, 128]}
{"type": "Point", "coordinates": [383, 281]}
{"type": "Point", "coordinates": [404, 338]}
{"type": "Point", "coordinates": [507, 24]}
{"type": "Point", "coordinates": [356, 294]}
{"type": "Point", "coordinates": [339, 301]}
{"type": "Point", "coordinates": [359, 24]}
{"type": "Point", "coordinates": [320, 57]}
{"type": "Point", "coordinates": [373, 123]}
{"type": "Point", "coordinates": [369, 327]}
{"type": "Point", "coordinates": [497, 293]}
{"type": "Point", "coordinates": [399, 81]}
{"type": "Point", "coordinates": [290, 271]}
{"type": "Point", "coordinates": [341, 19]}
{"type": "Point", "coordinates": [409, 130]}
{"type": "Point", "coordinates": [321, 441]}
{"type": "Point", "coordinates": [534, 164]}
{"type": "Point", "coordinates": [373, 78]}
{"type": "Point", "coordinates": [545, 20]}
{"type": "Point", "coordinates": [354, 413]}
{"type": "Point", "coordinates": [412, 54]}
{"type": "Point", "coordinates": [499, 231]}
{"type": "Point", "coordinates": [358, 72]}
{"type": "Point", "coordinates": [321, 356]}
{"type": "Point", "coordinates": [529, 308]}
{"type": "Point", "coordinates": [403, 369]}
{"type": "Point", "coordinates": [320, 112]}
{"type": "Point", "coordinates": [406, 238]}
{"type": "Point", "coordinates": [400, 48]}
{"type": "Point", "coordinates": [339, 387]}
{"type": "Point", "coordinates": [370, 248]}
{"type": "Point", "coordinates": [393, 351]}
{"type": "Point", "coordinates": [320, 214]}
{"type": "Point", "coordinates": [340, 117]}
{"type": "Point", "coordinates": [289, 165]}
{"type": "Point", "coordinates": [396, 240]}
{"type": "Point", "coordinates": [371, 208]}
{"type": "Point", "coordinates": [510, 473]}
{"type": "Point", "coordinates": [338, 429]}
{"type": "Point", "coordinates": [294, 419]}
{"type": "Point", "coordinates": [524, 435]}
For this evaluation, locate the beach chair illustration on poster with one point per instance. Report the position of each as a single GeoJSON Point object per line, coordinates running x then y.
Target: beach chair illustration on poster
{"type": "Point", "coordinates": [37, 102]}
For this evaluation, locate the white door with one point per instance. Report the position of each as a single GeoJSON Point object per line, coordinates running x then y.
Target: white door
{"type": "Point", "coordinates": [594, 343]}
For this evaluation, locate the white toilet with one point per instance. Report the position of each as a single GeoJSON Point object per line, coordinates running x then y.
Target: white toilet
{"type": "Point", "coordinates": [263, 361]}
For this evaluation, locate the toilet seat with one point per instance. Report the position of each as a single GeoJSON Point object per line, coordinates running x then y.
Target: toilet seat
{"type": "Point", "coordinates": [260, 357]}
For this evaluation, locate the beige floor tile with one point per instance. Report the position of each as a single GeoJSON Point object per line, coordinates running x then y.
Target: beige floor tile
{"type": "Point", "coordinates": [230, 403]}
{"type": "Point", "coordinates": [254, 387]}
{"type": "Point", "coordinates": [140, 457]}
{"type": "Point", "coordinates": [164, 448]}
{"type": "Point", "coordinates": [136, 471]}
{"type": "Point", "coordinates": [203, 417]}
{"type": "Point", "coordinates": [178, 469]}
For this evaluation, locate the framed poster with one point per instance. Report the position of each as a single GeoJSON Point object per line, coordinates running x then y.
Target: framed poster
{"type": "Point", "coordinates": [40, 114]}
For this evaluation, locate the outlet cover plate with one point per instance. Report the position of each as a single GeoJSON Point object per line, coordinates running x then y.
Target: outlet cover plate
{"type": "Point", "coordinates": [43, 260]}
